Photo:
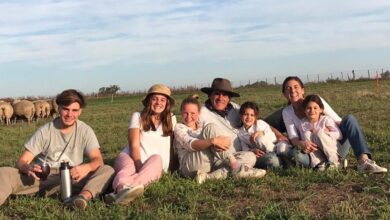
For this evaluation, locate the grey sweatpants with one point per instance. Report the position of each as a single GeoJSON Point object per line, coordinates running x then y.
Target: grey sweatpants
{"type": "Point", "coordinates": [209, 159]}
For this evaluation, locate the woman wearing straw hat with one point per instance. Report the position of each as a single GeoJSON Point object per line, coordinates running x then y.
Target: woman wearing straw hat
{"type": "Point", "coordinates": [148, 153]}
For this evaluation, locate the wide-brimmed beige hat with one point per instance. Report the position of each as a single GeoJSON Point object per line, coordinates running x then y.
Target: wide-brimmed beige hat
{"type": "Point", "coordinates": [159, 89]}
{"type": "Point", "coordinates": [220, 84]}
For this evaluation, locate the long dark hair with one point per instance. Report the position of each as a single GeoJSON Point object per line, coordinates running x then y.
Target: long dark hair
{"type": "Point", "coordinates": [165, 117]}
{"type": "Point", "coordinates": [289, 78]}
{"type": "Point", "coordinates": [313, 98]}
{"type": "Point", "coordinates": [251, 105]}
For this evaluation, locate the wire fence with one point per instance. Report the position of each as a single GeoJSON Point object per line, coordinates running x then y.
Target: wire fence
{"type": "Point", "coordinates": [351, 75]}
{"type": "Point", "coordinates": [306, 78]}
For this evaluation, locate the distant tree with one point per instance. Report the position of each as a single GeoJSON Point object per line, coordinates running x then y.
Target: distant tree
{"type": "Point", "coordinates": [112, 89]}
{"type": "Point", "coordinates": [385, 75]}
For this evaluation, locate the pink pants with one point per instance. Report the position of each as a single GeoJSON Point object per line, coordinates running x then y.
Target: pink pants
{"type": "Point", "coordinates": [126, 173]}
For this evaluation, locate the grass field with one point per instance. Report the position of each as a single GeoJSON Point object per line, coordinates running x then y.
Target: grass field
{"type": "Point", "coordinates": [293, 193]}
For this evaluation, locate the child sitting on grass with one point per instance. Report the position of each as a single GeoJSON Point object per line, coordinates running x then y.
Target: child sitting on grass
{"type": "Point", "coordinates": [323, 132]}
{"type": "Point", "coordinates": [257, 129]}
{"type": "Point", "coordinates": [200, 155]}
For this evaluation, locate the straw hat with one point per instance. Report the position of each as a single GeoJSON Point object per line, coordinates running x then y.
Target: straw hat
{"type": "Point", "coordinates": [222, 85]}
{"type": "Point", "coordinates": [159, 89]}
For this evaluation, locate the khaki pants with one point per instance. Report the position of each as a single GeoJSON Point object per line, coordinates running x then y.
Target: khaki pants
{"type": "Point", "coordinates": [13, 182]}
{"type": "Point", "coordinates": [209, 159]}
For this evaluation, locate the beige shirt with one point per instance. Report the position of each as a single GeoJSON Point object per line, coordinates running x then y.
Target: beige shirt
{"type": "Point", "coordinates": [48, 143]}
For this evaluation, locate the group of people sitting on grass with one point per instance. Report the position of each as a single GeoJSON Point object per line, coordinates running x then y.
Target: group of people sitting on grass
{"type": "Point", "coordinates": [214, 140]}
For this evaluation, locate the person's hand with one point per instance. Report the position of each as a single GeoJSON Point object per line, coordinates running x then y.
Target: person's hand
{"type": "Point", "coordinates": [308, 146]}
{"type": "Point", "coordinates": [255, 135]}
{"type": "Point", "coordinates": [30, 169]}
{"type": "Point", "coordinates": [79, 172]}
{"type": "Point", "coordinates": [138, 165]}
{"type": "Point", "coordinates": [258, 152]}
{"type": "Point", "coordinates": [283, 139]}
{"type": "Point", "coordinates": [221, 143]}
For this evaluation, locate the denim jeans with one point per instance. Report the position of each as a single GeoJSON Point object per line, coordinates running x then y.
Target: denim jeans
{"type": "Point", "coordinates": [353, 134]}
{"type": "Point", "coordinates": [268, 161]}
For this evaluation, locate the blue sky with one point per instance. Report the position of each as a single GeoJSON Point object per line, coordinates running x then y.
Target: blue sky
{"type": "Point", "coordinates": [49, 46]}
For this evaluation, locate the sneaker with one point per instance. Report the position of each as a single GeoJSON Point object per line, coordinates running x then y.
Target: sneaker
{"type": "Point", "coordinates": [344, 163]}
{"type": "Point", "coordinates": [201, 177]}
{"type": "Point", "coordinates": [250, 172]}
{"type": "Point", "coordinates": [320, 167]}
{"type": "Point", "coordinates": [371, 167]}
{"type": "Point", "coordinates": [333, 166]}
{"type": "Point", "coordinates": [76, 202]}
{"type": "Point", "coordinates": [218, 174]}
{"type": "Point", "coordinates": [125, 195]}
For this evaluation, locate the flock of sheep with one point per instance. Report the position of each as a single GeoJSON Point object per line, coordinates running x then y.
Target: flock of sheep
{"type": "Point", "coordinates": [26, 110]}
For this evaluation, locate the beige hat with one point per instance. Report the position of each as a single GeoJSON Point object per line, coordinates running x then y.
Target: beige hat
{"type": "Point", "coordinates": [159, 89]}
{"type": "Point", "coordinates": [220, 84]}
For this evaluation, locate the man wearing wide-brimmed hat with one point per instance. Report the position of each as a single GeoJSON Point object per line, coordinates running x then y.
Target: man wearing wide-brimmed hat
{"type": "Point", "coordinates": [221, 118]}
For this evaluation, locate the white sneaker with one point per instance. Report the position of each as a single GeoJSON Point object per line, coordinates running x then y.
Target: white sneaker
{"type": "Point", "coordinates": [125, 195]}
{"type": "Point", "coordinates": [246, 171]}
{"type": "Point", "coordinates": [201, 177]}
{"type": "Point", "coordinates": [320, 167]}
{"type": "Point", "coordinates": [333, 166]}
{"type": "Point", "coordinates": [218, 174]}
{"type": "Point", "coordinates": [344, 163]}
{"type": "Point", "coordinates": [371, 167]}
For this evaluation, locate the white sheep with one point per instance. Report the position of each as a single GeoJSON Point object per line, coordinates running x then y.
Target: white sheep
{"type": "Point", "coordinates": [42, 109]}
{"type": "Point", "coordinates": [53, 107]}
{"type": "Point", "coordinates": [24, 109]}
{"type": "Point", "coordinates": [6, 112]}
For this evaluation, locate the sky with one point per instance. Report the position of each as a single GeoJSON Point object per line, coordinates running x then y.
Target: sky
{"type": "Point", "coordinates": [48, 46]}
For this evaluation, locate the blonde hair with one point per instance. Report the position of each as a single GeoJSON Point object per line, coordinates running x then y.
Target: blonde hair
{"type": "Point", "coordinates": [191, 99]}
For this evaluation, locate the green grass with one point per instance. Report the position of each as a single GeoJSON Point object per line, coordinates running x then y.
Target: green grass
{"type": "Point", "coordinates": [293, 193]}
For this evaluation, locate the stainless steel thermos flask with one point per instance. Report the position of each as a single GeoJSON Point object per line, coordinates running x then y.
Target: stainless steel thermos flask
{"type": "Point", "coordinates": [66, 182]}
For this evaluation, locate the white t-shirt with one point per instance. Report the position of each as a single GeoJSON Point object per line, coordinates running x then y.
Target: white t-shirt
{"type": "Point", "coordinates": [260, 125]}
{"type": "Point", "coordinates": [152, 142]}
{"type": "Point", "coordinates": [292, 121]}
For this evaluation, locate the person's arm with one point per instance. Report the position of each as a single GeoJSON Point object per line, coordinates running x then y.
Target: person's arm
{"type": "Point", "coordinates": [333, 129]}
{"type": "Point", "coordinates": [135, 147]}
{"type": "Point", "coordinates": [220, 143]}
{"type": "Point", "coordinates": [95, 161]}
{"type": "Point", "coordinates": [194, 143]}
{"type": "Point", "coordinates": [330, 112]}
{"type": "Point", "coordinates": [24, 164]}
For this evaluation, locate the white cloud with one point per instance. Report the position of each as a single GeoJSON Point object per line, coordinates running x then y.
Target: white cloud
{"type": "Point", "coordinates": [94, 33]}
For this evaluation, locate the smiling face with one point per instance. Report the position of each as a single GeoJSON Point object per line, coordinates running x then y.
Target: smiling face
{"type": "Point", "coordinates": [293, 91]}
{"type": "Point", "coordinates": [190, 114]}
{"type": "Point", "coordinates": [219, 100]}
{"type": "Point", "coordinates": [158, 103]}
{"type": "Point", "coordinates": [248, 118]}
{"type": "Point", "coordinates": [69, 114]}
{"type": "Point", "coordinates": [313, 111]}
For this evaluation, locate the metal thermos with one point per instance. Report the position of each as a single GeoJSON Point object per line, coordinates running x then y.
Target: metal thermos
{"type": "Point", "coordinates": [66, 182]}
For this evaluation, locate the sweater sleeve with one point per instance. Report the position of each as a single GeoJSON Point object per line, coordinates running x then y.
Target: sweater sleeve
{"type": "Point", "coordinates": [288, 118]}
{"type": "Point", "coordinates": [183, 138]}
{"type": "Point", "coordinates": [334, 130]}
{"type": "Point", "coordinates": [330, 112]}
